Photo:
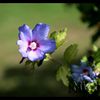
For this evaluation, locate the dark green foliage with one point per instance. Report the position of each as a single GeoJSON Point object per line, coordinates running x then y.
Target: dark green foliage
{"type": "Point", "coordinates": [90, 59]}
{"type": "Point", "coordinates": [90, 14]}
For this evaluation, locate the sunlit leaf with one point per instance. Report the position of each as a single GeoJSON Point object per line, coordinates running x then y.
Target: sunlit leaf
{"type": "Point", "coordinates": [47, 57]}
{"type": "Point", "coordinates": [84, 59]}
{"type": "Point", "coordinates": [63, 74]}
{"type": "Point", "coordinates": [95, 48]}
{"type": "Point", "coordinates": [59, 37]}
{"type": "Point", "coordinates": [97, 67]}
{"type": "Point", "coordinates": [91, 87]}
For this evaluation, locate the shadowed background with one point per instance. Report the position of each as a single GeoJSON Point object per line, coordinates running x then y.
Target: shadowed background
{"type": "Point", "coordinates": [15, 79]}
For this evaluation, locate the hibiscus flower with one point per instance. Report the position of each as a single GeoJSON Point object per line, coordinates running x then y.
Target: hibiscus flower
{"type": "Point", "coordinates": [34, 44]}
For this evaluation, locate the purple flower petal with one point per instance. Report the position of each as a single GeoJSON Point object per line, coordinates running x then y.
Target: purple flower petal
{"type": "Point", "coordinates": [76, 69]}
{"type": "Point", "coordinates": [23, 52]}
{"type": "Point", "coordinates": [47, 46]}
{"type": "Point", "coordinates": [87, 78]}
{"type": "Point", "coordinates": [35, 55]}
{"type": "Point", "coordinates": [22, 47]}
{"type": "Point", "coordinates": [83, 64]}
{"type": "Point", "coordinates": [74, 66]}
{"type": "Point", "coordinates": [40, 31]}
{"type": "Point", "coordinates": [76, 77]}
{"type": "Point", "coordinates": [93, 75]}
{"type": "Point", "coordinates": [21, 43]}
{"type": "Point", "coordinates": [25, 33]}
{"type": "Point", "coordinates": [84, 71]}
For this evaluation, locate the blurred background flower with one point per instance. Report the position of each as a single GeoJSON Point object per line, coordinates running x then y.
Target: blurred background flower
{"type": "Point", "coordinates": [83, 72]}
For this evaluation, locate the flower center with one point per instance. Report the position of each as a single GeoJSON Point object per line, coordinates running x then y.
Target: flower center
{"type": "Point", "coordinates": [33, 45]}
{"type": "Point", "coordinates": [85, 71]}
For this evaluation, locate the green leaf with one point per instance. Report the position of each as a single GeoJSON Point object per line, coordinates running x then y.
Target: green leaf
{"type": "Point", "coordinates": [70, 53]}
{"type": "Point", "coordinates": [53, 35]}
{"type": "Point", "coordinates": [97, 67]}
{"type": "Point", "coordinates": [59, 37]}
{"type": "Point", "coordinates": [96, 56]}
{"type": "Point", "coordinates": [84, 59]}
{"type": "Point", "coordinates": [62, 74]}
{"type": "Point", "coordinates": [91, 87]}
{"type": "Point", "coordinates": [95, 48]}
{"type": "Point", "coordinates": [48, 57]}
